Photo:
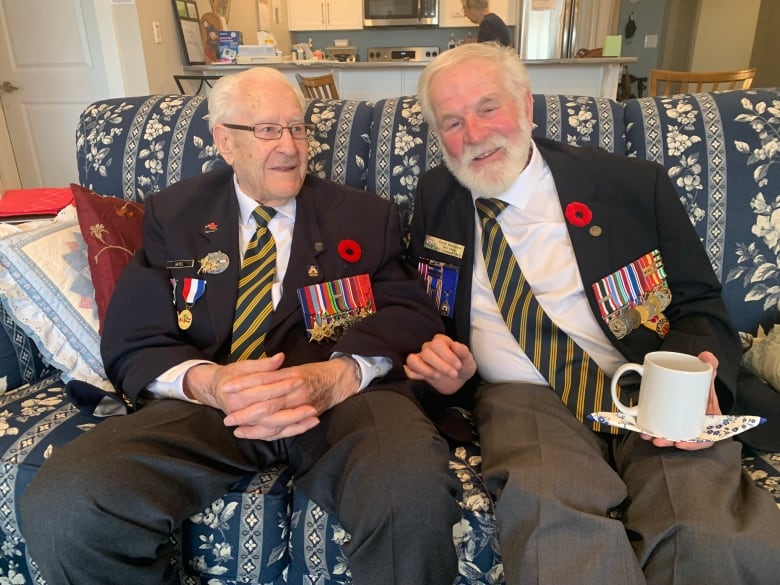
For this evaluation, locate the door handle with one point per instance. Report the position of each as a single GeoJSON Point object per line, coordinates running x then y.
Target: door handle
{"type": "Point", "coordinates": [8, 87]}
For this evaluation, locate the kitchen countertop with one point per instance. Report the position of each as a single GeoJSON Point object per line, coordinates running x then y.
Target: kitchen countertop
{"type": "Point", "coordinates": [373, 80]}
{"type": "Point", "coordinates": [326, 64]}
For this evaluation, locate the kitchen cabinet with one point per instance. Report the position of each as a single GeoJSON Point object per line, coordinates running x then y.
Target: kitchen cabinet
{"type": "Point", "coordinates": [325, 15]}
{"type": "Point", "coordinates": [451, 12]}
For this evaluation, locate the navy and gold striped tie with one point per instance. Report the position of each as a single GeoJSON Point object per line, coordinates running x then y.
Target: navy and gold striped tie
{"type": "Point", "coordinates": [255, 304]}
{"type": "Point", "coordinates": [579, 381]}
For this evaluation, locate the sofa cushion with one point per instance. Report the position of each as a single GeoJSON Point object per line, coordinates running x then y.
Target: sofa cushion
{"type": "Point", "coordinates": [580, 121]}
{"type": "Point", "coordinates": [403, 146]}
{"type": "Point", "coordinates": [21, 361]}
{"type": "Point", "coordinates": [130, 147]}
{"type": "Point", "coordinates": [239, 538]}
{"type": "Point", "coordinates": [720, 150]}
{"type": "Point", "coordinates": [339, 148]}
{"type": "Point", "coordinates": [112, 229]}
{"type": "Point", "coordinates": [46, 287]}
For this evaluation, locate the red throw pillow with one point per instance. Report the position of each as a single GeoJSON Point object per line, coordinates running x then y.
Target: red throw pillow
{"type": "Point", "coordinates": [112, 229]}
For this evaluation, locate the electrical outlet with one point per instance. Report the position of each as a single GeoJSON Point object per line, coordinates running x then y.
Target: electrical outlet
{"type": "Point", "coordinates": [651, 41]}
{"type": "Point", "coordinates": [157, 32]}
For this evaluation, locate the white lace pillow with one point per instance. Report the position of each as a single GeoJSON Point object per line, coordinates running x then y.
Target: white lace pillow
{"type": "Point", "coordinates": [46, 287]}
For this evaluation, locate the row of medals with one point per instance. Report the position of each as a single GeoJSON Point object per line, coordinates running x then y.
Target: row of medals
{"type": "Point", "coordinates": [626, 320]}
{"type": "Point", "coordinates": [334, 326]}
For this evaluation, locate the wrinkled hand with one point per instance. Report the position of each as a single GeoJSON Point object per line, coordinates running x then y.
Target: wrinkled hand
{"type": "Point", "coordinates": [713, 407]}
{"type": "Point", "coordinates": [443, 363]}
{"type": "Point", "coordinates": [265, 402]}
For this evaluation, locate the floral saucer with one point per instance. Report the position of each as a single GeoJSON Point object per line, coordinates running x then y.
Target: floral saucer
{"type": "Point", "coordinates": [717, 427]}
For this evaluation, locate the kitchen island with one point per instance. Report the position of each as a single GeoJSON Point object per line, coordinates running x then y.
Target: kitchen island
{"type": "Point", "coordinates": [597, 77]}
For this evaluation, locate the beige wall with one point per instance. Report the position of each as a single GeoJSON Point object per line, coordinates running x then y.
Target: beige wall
{"type": "Point", "coordinates": [724, 36]}
{"type": "Point", "coordinates": [165, 60]}
{"type": "Point", "coordinates": [764, 55]}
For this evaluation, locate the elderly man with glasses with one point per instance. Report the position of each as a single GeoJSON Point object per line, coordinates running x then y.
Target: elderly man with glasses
{"type": "Point", "coordinates": [265, 321]}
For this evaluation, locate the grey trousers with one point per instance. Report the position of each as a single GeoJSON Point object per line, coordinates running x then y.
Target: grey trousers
{"type": "Point", "coordinates": [577, 507]}
{"type": "Point", "coordinates": [102, 508]}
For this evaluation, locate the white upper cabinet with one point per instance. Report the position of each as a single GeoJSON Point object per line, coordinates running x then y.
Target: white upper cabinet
{"type": "Point", "coordinates": [325, 14]}
{"type": "Point", "coordinates": [451, 12]}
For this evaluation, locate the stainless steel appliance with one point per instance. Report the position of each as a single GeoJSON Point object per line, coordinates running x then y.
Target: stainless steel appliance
{"type": "Point", "coordinates": [557, 29]}
{"type": "Point", "coordinates": [346, 54]}
{"type": "Point", "coordinates": [402, 53]}
{"type": "Point", "coordinates": [400, 13]}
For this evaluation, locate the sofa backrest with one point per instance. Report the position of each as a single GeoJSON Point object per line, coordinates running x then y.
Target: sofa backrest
{"type": "Point", "coordinates": [722, 152]}
{"type": "Point", "coordinates": [720, 149]}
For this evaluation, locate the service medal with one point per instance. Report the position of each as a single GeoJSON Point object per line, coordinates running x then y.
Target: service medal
{"type": "Point", "coordinates": [184, 319]}
{"type": "Point", "coordinates": [618, 327]}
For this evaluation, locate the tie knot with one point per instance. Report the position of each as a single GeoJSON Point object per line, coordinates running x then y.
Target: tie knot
{"type": "Point", "coordinates": [263, 215]}
{"type": "Point", "coordinates": [490, 207]}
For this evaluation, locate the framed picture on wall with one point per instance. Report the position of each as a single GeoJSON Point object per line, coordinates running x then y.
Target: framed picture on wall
{"type": "Point", "coordinates": [188, 23]}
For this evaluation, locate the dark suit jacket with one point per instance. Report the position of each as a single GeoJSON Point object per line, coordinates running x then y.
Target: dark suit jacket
{"type": "Point", "coordinates": [141, 338]}
{"type": "Point", "coordinates": [638, 210]}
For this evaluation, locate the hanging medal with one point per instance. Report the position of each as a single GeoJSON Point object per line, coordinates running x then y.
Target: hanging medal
{"type": "Point", "coordinates": [635, 295]}
{"type": "Point", "coordinates": [192, 289]}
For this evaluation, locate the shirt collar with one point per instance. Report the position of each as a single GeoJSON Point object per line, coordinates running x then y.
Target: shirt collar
{"type": "Point", "coordinates": [247, 205]}
{"type": "Point", "coordinates": [523, 187]}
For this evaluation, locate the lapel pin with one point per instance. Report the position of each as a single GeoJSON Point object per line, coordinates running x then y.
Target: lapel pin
{"type": "Point", "coordinates": [214, 263]}
{"type": "Point", "coordinates": [313, 271]}
{"type": "Point", "coordinates": [210, 228]}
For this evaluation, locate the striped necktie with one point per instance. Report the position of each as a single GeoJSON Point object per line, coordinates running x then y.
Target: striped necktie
{"type": "Point", "coordinates": [579, 381]}
{"type": "Point", "coordinates": [255, 304]}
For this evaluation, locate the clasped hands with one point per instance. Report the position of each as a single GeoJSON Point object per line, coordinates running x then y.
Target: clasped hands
{"type": "Point", "coordinates": [446, 365]}
{"type": "Point", "coordinates": [265, 401]}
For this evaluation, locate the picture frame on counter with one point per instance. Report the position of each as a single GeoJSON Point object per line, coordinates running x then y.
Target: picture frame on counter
{"type": "Point", "coordinates": [188, 25]}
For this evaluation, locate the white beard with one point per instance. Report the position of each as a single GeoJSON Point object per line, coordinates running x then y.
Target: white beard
{"type": "Point", "coordinates": [495, 179]}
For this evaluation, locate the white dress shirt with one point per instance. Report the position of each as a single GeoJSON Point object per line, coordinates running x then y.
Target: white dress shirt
{"type": "Point", "coordinates": [536, 231]}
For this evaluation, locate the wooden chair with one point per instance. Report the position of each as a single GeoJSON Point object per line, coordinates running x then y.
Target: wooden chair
{"type": "Point", "coordinates": [322, 86]}
{"type": "Point", "coordinates": [662, 81]}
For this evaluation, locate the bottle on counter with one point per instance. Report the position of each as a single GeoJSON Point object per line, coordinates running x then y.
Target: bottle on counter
{"type": "Point", "coordinates": [452, 44]}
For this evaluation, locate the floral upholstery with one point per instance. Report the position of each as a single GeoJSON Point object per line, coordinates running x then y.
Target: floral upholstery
{"type": "Point", "coordinates": [721, 151]}
{"type": "Point", "coordinates": [266, 532]}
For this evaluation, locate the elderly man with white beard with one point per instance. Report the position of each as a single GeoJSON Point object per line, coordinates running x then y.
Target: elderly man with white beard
{"type": "Point", "coordinates": [523, 236]}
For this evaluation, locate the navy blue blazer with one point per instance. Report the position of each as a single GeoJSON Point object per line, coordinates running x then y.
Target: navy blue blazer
{"type": "Point", "coordinates": [637, 210]}
{"type": "Point", "coordinates": [195, 217]}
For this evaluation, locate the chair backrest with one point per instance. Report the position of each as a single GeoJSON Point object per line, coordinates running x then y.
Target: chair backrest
{"type": "Point", "coordinates": [666, 82]}
{"type": "Point", "coordinates": [321, 86]}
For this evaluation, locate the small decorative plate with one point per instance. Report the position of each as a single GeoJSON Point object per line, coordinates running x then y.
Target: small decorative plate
{"type": "Point", "coordinates": [717, 427]}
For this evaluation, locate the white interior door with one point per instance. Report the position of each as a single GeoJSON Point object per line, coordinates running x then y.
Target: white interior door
{"type": "Point", "coordinates": [50, 51]}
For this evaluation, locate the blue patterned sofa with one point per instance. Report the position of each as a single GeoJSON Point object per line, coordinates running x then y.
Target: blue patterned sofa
{"type": "Point", "coordinates": [720, 149]}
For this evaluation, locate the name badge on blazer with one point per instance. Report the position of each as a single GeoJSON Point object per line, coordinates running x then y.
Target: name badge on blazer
{"type": "Point", "coordinates": [443, 246]}
{"type": "Point", "coordinates": [636, 294]}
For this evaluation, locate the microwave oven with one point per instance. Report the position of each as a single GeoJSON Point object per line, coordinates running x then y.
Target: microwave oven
{"type": "Point", "coordinates": [400, 13]}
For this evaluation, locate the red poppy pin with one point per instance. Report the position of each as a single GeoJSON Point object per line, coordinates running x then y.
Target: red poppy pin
{"type": "Point", "coordinates": [350, 250]}
{"type": "Point", "coordinates": [578, 214]}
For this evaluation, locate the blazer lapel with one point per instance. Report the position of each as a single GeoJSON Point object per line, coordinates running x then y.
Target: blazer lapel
{"type": "Point", "coordinates": [303, 268]}
{"type": "Point", "coordinates": [591, 241]}
{"type": "Point", "coordinates": [218, 232]}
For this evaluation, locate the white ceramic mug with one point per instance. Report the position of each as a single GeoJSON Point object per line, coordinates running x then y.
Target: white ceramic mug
{"type": "Point", "coordinates": [673, 394]}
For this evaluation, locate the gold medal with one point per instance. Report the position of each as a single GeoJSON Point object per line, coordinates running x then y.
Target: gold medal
{"type": "Point", "coordinates": [185, 319]}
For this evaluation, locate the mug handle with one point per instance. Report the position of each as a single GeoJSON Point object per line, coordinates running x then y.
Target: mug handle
{"type": "Point", "coordinates": [630, 410]}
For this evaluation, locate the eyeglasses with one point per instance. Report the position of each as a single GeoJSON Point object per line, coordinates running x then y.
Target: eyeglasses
{"type": "Point", "coordinates": [270, 131]}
